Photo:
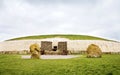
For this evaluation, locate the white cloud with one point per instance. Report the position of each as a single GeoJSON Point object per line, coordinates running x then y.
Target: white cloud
{"type": "Point", "coordinates": [30, 17]}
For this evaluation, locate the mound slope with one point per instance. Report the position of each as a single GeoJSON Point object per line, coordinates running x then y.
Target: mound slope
{"type": "Point", "coordinates": [71, 37]}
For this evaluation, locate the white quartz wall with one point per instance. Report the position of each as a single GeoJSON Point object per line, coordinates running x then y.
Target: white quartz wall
{"type": "Point", "coordinates": [73, 45]}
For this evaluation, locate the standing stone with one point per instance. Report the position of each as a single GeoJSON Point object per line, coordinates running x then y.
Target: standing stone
{"type": "Point", "coordinates": [46, 46]}
{"type": "Point", "coordinates": [35, 51]}
{"type": "Point", "coordinates": [93, 51]}
{"type": "Point", "coordinates": [62, 46]}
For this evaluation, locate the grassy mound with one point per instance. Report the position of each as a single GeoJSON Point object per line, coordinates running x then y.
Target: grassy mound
{"type": "Point", "coordinates": [71, 37]}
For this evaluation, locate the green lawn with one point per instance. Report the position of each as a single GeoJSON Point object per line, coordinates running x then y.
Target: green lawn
{"type": "Point", "coordinates": [14, 65]}
{"type": "Point", "coordinates": [71, 37]}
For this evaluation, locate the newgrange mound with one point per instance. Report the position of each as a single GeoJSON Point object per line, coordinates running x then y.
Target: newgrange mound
{"type": "Point", "coordinates": [56, 43]}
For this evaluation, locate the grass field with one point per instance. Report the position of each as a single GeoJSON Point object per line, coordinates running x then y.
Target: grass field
{"type": "Point", "coordinates": [14, 65]}
{"type": "Point", "coordinates": [71, 37]}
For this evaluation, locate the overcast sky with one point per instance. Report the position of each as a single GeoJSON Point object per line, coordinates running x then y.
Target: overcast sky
{"type": "Point", "coordinates": [36, 17]}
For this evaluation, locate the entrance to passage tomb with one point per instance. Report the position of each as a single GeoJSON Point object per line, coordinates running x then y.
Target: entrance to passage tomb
{"type": "Point", "coordinates": [55, 48]}
{"type": "Point", "coordinates": [48, 48]}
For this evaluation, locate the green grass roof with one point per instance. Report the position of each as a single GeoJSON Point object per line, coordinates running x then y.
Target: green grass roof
{"type": "Point", "coordinates": [71, 37]}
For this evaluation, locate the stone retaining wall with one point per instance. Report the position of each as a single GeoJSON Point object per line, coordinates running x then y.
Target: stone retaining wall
{"type": "Point", "coordinates": [73, 46]}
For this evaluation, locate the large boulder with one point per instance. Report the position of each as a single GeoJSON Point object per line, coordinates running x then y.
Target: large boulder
{"type": "Point", "coordinates": [35, 51]}
{"type": "Point", "coordinates": [94, 51]}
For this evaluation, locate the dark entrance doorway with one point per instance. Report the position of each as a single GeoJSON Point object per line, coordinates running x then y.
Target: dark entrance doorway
{"type": "Point", "coordinates": [54, 48]}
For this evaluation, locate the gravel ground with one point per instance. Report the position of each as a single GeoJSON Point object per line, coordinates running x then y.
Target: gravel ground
{"type": "Point", "coordinates": [52, 56]}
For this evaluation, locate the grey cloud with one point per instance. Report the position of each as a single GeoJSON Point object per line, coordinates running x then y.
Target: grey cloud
{"type": "Point", "coordinates": [61, 1]}
{"type": "Point", "coordinates": [1, 4]}
{"type": "Point", "coordinates": [29, 17]}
